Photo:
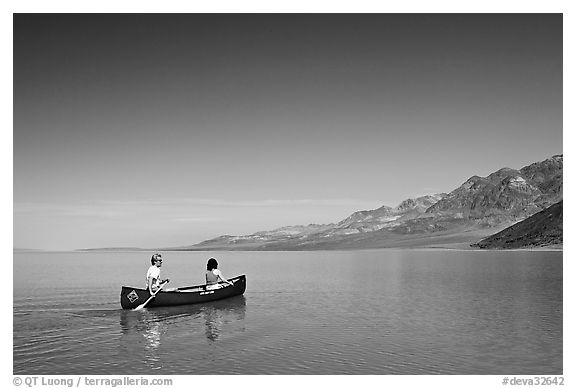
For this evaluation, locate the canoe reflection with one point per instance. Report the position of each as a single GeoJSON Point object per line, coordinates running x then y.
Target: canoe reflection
{"type": "Point", "coordinates": [156, 323]}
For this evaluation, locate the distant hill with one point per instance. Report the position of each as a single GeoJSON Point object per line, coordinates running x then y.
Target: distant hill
{"type": "Point", "coordinates": [21, 250]}
{"type": "Point", "coordinates": [542, 229]}
{"type": "Point", "coordinates": [115, 249]}
{"type": "Point", "coordinates": [478, 208]}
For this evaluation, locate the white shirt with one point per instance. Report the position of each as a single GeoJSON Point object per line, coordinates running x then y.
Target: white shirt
{"type": "Point", "coordinates": [153, 273]}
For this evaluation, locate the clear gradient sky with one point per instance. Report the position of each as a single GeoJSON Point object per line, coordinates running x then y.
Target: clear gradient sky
{"type": "Point", "coordinates": [166, 130]}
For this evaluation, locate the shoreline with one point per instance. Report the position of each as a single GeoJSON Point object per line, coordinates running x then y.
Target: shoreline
{"type": "Point", "coordinates": [415, 248]}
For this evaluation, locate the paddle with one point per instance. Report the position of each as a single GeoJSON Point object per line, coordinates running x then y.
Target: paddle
{"type": "Point", "coordinates": [140, 307]}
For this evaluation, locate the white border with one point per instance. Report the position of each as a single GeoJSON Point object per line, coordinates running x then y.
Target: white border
{"type": "Point", "coordinates": [299, 7]}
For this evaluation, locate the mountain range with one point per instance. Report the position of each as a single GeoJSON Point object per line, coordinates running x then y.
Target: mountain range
{"type": "Point", "coordinates": [480, 207]}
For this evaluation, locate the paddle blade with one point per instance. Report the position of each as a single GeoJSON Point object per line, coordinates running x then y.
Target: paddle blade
{"type": "Point", "coordinates": [145, 303]}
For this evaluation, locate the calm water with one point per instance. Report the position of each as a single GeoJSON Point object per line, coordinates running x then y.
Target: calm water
{"type": "Point", "coordinates": [364, 312]}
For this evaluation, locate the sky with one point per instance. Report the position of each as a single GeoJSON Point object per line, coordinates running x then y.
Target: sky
{"type": "Point", "coordinates": [166, 130]}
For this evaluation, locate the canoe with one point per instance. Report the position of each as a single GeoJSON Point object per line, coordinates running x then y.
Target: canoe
{"type": "Point", "coordinates": [131, 297]}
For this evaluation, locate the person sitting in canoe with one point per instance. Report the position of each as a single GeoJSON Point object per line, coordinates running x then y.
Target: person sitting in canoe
{"type": "Point", "coordinates": [153, 281]}
{"type": "Point", "coordinates": [213, 275]}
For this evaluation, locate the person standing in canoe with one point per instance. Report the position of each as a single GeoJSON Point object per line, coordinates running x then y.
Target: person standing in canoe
{"type": "Point", "coordinates": [153, 281]}
{"type": "Point", "coordinates": [213, 275]}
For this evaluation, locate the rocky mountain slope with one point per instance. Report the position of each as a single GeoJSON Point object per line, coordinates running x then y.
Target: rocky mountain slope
{"type": "Point", "coordinates": [505, 195]}
{"type": "Point", "coordinates": [542, 229]}
{"type": "Point", "coordinates": [478, 208]}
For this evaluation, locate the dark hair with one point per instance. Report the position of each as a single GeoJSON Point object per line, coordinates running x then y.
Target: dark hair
{"type": "Point", "coordinates": [155, 257]}
{"type": "Point", "coordinates": [212, 264]}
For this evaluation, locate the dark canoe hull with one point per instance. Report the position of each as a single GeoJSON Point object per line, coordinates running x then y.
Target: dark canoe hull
{"type": "Point", "coordinates": [131, 297]}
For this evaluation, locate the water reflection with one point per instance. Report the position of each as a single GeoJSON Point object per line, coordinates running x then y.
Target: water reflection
{"type": "Point", "coordinates": [216, 315]}
{"type": "Point", "coordinates": [146, 330]}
